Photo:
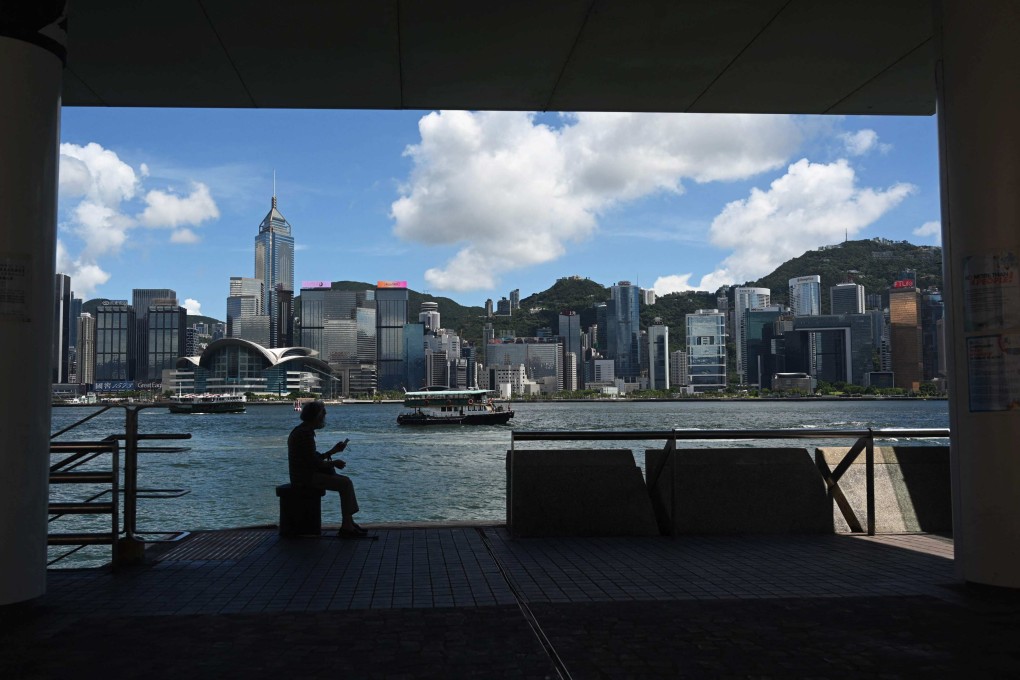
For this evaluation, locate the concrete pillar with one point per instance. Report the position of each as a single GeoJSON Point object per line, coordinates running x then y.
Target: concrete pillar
{"type": "Point", "coordinates": [31, 64]}
{"type": "Point", "coordinates": [978, 80]}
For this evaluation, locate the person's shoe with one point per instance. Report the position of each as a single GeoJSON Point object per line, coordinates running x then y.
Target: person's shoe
{"type": "Point", "coordinates": [350, 533]}
{"type": "Point", "coordinates": [359, 528]}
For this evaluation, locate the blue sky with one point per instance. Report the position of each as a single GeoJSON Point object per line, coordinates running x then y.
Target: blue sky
{"type": "Point", "coordinates": [473, 204]}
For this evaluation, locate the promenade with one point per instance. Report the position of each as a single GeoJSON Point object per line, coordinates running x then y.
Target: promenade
{"type": "Point", "coordinates": [460, 601]}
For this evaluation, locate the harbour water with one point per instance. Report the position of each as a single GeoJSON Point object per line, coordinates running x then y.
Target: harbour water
{"type": "Point", "coordinates": [425, 474]}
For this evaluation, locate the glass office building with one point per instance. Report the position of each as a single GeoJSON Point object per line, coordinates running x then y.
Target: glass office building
{"type": "Point", "coordinates": [391, 317]}
{"type": "Point", "coordinates": [274, 263]}
{"type": "Point", "coordinates": [623, 329]}
{"type": "Point", "coordinates": [166, 339]}
{"type": "Point", "coordinates": [706, 350]}
{"type": "Point", "coordinates": [115, 337]}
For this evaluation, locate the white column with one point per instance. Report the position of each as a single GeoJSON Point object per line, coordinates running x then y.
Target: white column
{"type": "Point", "coordinates": [978, 79]}
{"type": "Point", "coordinates": [30, 80]}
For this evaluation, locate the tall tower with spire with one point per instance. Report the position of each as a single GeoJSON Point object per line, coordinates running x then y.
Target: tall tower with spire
{"type": "Point", "coordinates": [274, 263]}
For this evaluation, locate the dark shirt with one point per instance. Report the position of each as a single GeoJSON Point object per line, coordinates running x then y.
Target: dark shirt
{"type": "Point", "coordinates": [302, 458]}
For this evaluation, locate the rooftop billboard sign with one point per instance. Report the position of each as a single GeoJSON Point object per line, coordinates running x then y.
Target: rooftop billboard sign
{"type": "Point", "coordinates": [391, 284]}
{"type": "Point", "coordinates": [904, 283]}
{"type": "Point", "coordinates": [314, 284]}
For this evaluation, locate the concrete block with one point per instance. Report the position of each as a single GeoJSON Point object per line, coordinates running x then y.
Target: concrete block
{"type": "Point", "coordinates": [577, 492]}
{"type": "Point", "coordinates": [300, 510]}
{"type": "Point", "coordinates": [738, 491]}
{"type": "Point", "coordinates": [912, 488]}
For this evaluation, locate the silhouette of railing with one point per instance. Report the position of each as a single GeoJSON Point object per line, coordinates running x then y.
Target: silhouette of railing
{"type": "Point", "coordinates": [120, 495]}
{"type": "Point", "coordinates": [864, 442]}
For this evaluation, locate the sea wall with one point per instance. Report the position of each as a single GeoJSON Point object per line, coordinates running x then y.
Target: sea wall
{"type": "Point", "coordinates": [577, 492]}
{"type": "Point", "coordinates": [737, 491]}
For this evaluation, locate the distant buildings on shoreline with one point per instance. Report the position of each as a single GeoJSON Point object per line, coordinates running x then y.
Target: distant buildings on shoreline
{"type": "Point", "coordinates": [339, 342]}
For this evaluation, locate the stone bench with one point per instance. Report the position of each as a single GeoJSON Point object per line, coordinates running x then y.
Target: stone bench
{"type": "Point", "coordinates": [300, 510]}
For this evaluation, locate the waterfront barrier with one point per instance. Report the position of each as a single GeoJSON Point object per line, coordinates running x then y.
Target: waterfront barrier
{"type": "Point", "coordinates": [577, 492]}
{"type": "Point", "coordinates": [748, 490]}
{"type": "Point", "coordinates": [108, 489]}
{"type": "Point", "coordinates": [912, 489]}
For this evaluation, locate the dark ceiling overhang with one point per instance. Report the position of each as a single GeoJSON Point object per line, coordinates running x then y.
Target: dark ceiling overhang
{"type": "Point", "coordinates": [752, 56]}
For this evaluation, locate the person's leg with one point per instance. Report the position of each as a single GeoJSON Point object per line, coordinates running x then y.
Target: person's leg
{"type": "Point", "coordinates": [343, 485]}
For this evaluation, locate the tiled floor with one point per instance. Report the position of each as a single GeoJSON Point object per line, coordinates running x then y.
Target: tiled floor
{"type": "Point", "coordinates": [256, 571]}
{"type": "Point", "coordinates": [473, 602]}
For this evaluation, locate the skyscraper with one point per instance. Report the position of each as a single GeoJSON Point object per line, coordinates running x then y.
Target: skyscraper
{"type": "Point", "coordinates": [391, 316]}
{"type": "Point", "coordinates": [86, 349]}
{"type": "Point", "coordinates": [846, 298]}
{"type": "Point", "coordinates": [115, 335]}
{"type": "Point", "coordinates": [141, 300]}
{"type": "Point", "coordinates": [806, 300]}
{"type": "Point", "coordinates": [932, 340]}
{"type": "Point", "coordinates": [429, 316]}
{"type": "Point", "coordinates": [570, 331]}
{"type": "Point", "coordinates": [744, 299]}
{"type": "Point", "coordinates": [658, 356]}
{"type": "Point", "coordinates": [623, 330]}
{"type": "Point", "coordinates": [166, 338]}
{"type": "Point", "coordinates": [706, 349]}
{"type": "Point", "coordinates": [274, 263]}
{"type": "Point", "coordinates": [806, 295]}
{"type": "Point", "coordinates": [246, 299]}
{"type": "Point", "coordinates": [515, 299]}
{"type": "Point", "coordinates": [61, 357]}
{"type": "Point", "coordinates": [905, 334]}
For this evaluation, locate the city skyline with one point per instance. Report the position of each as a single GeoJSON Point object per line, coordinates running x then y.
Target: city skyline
{"type": "Point", "coordinates": [669, 202]}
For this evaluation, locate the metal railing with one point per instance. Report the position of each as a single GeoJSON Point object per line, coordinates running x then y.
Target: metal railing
{"type": "Point", "coordinates": [864, 441]}
{"type": "Point", "coordinates": [127, 542]}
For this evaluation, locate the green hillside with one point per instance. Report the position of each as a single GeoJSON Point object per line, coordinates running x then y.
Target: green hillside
{"type": "Point", "coordinates": [873, 263]}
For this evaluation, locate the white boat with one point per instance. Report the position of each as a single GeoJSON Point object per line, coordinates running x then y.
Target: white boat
{"type": "Point", "coordinates": [208, 403]}
{"type": "Point", "coordinates": [440, 406]}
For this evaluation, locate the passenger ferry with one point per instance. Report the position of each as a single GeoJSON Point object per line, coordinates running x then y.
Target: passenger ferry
{"type": "Point", "coordinates": [208, 403]}
{"type": "Point", "coordinates": [442, 406]}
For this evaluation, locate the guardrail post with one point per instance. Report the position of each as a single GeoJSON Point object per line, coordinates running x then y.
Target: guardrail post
{"type": "Point", "coordinates": [130, 549]}
{"type": "Point", "coordinates": [672, 486]}
{"type": "Point", "coordinates": [869, 464]}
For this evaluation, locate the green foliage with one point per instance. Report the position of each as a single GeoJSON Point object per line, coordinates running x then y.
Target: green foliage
{"type": "Point", "coordinates": [873, 263]}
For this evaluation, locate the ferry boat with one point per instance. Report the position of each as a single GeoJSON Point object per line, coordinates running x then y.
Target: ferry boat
{"type": "Point", "coordinates": [442, 406]}
{"type": "Point", "coordinates": [207, 403]}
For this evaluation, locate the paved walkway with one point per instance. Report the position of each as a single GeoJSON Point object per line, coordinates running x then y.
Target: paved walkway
{"type": "Point", "coordinates": [470, 601]}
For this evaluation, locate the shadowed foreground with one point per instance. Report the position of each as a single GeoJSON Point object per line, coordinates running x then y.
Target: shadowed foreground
{"type": "Point", "coordinates": [469, 601]}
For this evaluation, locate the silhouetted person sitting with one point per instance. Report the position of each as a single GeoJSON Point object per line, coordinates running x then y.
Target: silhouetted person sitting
{"type": "Point", "coordinates": [308, 467]}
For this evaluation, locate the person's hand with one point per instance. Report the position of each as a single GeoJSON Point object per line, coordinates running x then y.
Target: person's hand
{"type": "Point", "coordinates": [339, 464]}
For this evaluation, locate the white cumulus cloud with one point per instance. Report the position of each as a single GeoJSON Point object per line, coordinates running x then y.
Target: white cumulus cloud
{"type": "Point", "coordinates": [813, 204]}
{"type": "Point", "coordinates": [511, 192]}
{"type": "Point", "coordinates": [931, 230]}
{"type": "Point", "coordinates": [167, 209]}
{"type": "Point", "coordinates": [862, 142]}
{"type": "Point", "coordinates": [102, 198]}
{"type": "Point", "coordinates": [193, 306]}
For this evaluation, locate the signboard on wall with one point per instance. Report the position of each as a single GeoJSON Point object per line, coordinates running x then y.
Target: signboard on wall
{"type": "Point", "coordinates": [115, 386]}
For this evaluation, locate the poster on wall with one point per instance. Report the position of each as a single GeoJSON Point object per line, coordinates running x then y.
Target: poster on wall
{"type": "Point", "coordinates": [15, 274]}
{"type": "Point", "coordinates": [991, 291]}
{"type": "Point", "coordinates": [993, 369]}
